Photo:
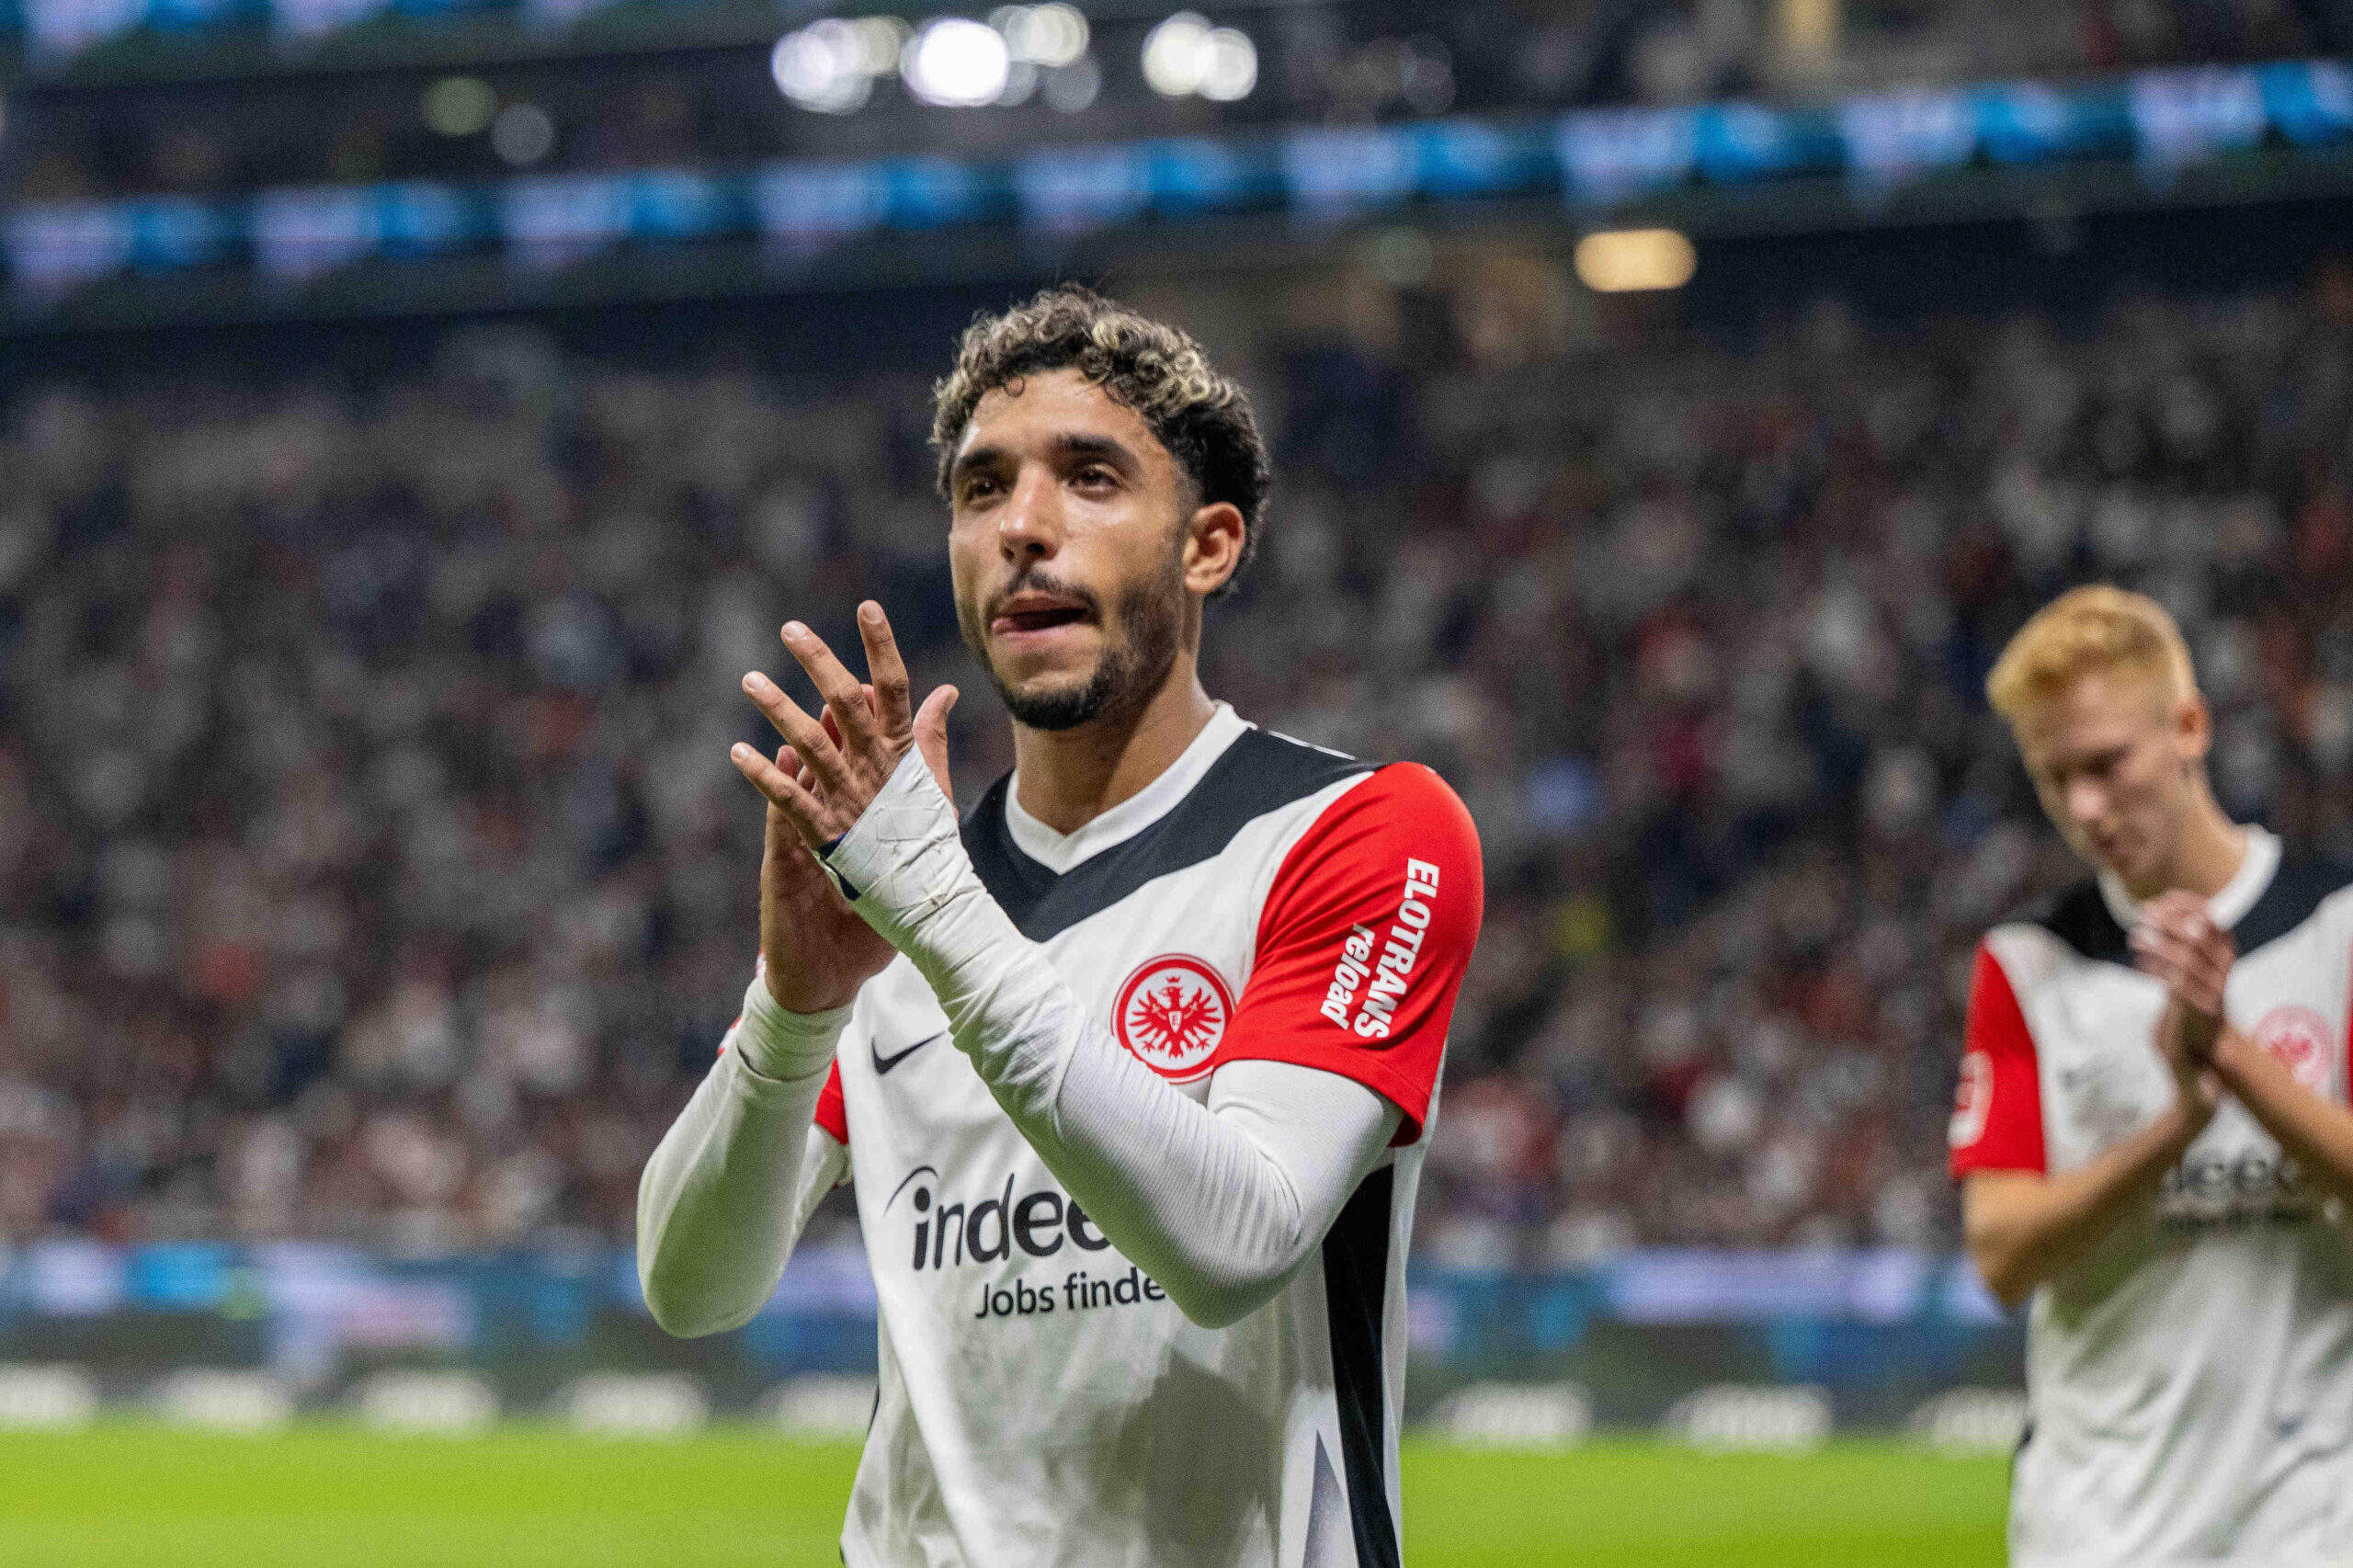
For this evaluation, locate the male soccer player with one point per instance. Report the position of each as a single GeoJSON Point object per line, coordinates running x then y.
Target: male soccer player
{"type": "Point", "coordinates": [1132, 1073]}
{"type": "Point", "coordinates": [2153, 1132]}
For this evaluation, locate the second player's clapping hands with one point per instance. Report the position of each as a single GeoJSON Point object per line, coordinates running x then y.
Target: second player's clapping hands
{"type": "Point", "coordinates": [2178, 943]}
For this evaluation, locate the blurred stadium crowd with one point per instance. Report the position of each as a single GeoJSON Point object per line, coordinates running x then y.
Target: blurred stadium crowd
{"type": "Point", "coordinates": [371, 865]}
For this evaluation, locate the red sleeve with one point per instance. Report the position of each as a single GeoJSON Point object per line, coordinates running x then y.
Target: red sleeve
{"type": "Point", "coordinates": [831, 1114]}
{"type": "Point", "coordinates": [1997, 1111]}
{"type": "Point", "coordinates": [1363, 940]}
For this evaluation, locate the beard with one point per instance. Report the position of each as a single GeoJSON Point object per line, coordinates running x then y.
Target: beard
{"type": "Point", "coordinates": [1130, 670]}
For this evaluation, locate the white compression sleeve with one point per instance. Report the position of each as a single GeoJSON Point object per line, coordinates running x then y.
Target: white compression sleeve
{"type": "Point", "coordinates": [732, 1186]}
{"type": "Point", "coordinates": [1220, 1203]}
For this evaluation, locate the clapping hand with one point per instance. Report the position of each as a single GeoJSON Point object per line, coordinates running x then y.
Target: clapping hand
{"type": "Point", "coordinates": [844, 762]}
{"type": "Point", "coordinates": [2178, 943]}
{"type": "Point", "coordinates": [815, 951]}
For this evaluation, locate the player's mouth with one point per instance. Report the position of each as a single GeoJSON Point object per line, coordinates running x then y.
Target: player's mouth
{"type": "Point", "coordinates": [1034, 620]}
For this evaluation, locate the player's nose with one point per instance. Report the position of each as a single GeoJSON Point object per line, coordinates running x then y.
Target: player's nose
{"type": "Point", "coordinates": [2088, 804]}
{"type": "Point", "coordinates": [1030, 523]}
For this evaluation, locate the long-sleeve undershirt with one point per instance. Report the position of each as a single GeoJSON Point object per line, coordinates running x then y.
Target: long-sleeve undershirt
{"type": "Point", "coordinates": [1220, 1202]}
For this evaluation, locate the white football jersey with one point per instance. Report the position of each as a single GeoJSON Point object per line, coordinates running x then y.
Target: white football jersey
{"type": "Point", "coordinates": [1042, 1403]}
{"type": "Point", "coordinates": [2191, 1381]}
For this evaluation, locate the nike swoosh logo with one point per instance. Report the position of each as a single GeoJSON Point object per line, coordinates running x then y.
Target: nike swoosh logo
{"type": "Point", "coordinates": [884, 1064]}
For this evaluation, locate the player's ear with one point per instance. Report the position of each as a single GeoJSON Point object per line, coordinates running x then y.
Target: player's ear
{"type": "Point", "coordinates": [2193, 727]}
{"type": "Point", "coordinates": [1214, 539]}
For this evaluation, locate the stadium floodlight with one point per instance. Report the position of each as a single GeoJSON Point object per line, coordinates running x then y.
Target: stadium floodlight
{"type": "Point", "coordinates": [1623, 261]}
{"type": "Point", "coordinates": [458, 106]}
{"type": "Point", "coordinates": [825, 66]}
{"type": "Point", "coordinates": [522, 134]}
{"type": "Point", "coordinates": [957, 63]}
{"type": "Point", "coordinates": [1232, 68]}
{"type": "Point", "coordinates": [1073, 87]}
{"type": "Point", "coordinates": [1042, 35]}
{"type": "Point", "coordinates": [1184, 56]}
{"type": "Point", "coordinates": [1177, 55]}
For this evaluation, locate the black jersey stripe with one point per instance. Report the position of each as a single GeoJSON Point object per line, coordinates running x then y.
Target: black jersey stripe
{"type": "Point", "coordinates": [1355, 1294]}
{"type": "Point", "coordinates": [2079, 916]}
{"type": "Point", "coordinates": [1260, 772]}
{"type": "Point", "coordinates": [2296, 892]}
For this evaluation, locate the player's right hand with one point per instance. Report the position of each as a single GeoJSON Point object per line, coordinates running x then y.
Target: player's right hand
{"type": "Point", "coordinates": [816, 950]}
{"type": "Point", "coordinates": [2186, 1043]}
{"type": "Point", "coordinates": [2178, 943]}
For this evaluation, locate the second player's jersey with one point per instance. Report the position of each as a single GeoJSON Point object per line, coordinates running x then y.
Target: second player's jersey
{"type": "Point", "coordinates": [2191, 1381]}
{"type": "Point", "coordinates": [1042, 1403]}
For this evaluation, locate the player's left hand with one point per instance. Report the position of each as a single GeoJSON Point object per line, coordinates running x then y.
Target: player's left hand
{"type": "Point", "coordinates": [2178, 943]}
{"type": "Point", "coordinates": [839, 780]}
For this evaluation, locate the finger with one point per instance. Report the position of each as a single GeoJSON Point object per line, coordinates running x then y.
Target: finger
{"type": "Point", "coordinates": [2192, 924]}
{"type": "Point", "coordinates": [821, 760]}
{"type": "Point", "coordinates": [834, 682]}
{"type": "Point", "coordinates": [931, 735]}
{"type": "Point", "coordinates": [2181, 966]}
{"type": "Point", "coordinates": [888, 670]}
{"type": "Point", "coordinates": [2157, 938]}
{"type": "Point", "coordinates": [786, 794]}
{"type": "Point", "coordinates": [782, 835]}
{"type": "Point", "coordinates": [2208, 959]}
{"type": "Point", "coordinates": [2191, 921]}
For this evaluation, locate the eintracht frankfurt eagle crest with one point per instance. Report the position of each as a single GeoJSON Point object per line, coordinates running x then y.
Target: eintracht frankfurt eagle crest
{"type": "Point", "coordinates": [1171, 1014]}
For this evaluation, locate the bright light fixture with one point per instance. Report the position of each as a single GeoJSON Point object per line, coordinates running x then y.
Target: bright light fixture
{"type": "Point", "coordinates": [1184, 55]}
{"type": "Point", "coordinates": [458, 106]}
{"type": "Point", "coordinates": [522, 134]}
{"type": "Point", "coordinates": [823, 67]}
{"type": "Point", "coordinates": [1233, 66]}
{"type": "Point", "coordinates": [1070, 89]}
{"type": "Point", "coordinates": [1177, 55]}
{"type": "Point", "coordinates": [1622, 261]}
{"type": "Point", "coordinates": [956, 61]}
{"type": "Point", "coordinates": [1042, 35]}
{"type": "Point", "coordinates": [880, 40]}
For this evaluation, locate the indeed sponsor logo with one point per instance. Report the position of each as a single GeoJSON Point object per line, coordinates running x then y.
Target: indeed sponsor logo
{"type": "Point", "coordinates": [2256, 1186]}
{"type": "Point", "coordinates": [2257, 1173]}
{"type": "Point", "coordinates": [1388, 976]}
{"type": "Point", "coordinates": [950, 1234]}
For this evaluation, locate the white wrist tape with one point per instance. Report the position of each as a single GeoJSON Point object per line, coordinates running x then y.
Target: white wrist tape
{"type": "Point", "coordinates": [778, 1044]}
{"type": "Point", "coordinates": [904, 869]}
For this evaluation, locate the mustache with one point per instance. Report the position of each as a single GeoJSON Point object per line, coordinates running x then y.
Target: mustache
{"type": "Point", "coordinates": [1036, 582]}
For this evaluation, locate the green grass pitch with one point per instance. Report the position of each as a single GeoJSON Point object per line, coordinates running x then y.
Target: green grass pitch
{"type": "Point", "coordinates": [330, 1497]}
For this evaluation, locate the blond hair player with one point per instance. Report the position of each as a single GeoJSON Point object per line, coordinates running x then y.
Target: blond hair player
{"type": "Point", "coordinates": [2152, 1131]}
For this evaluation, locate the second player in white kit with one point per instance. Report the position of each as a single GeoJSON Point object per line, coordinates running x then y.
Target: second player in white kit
{"type": "Point", "coordinates": [2151, 1123]}
{"type": "Point", "coordinates": [1131, 1069]}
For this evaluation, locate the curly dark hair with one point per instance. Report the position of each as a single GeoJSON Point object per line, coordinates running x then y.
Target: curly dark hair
{"type": "Point", "coordinates": [1203, 418]}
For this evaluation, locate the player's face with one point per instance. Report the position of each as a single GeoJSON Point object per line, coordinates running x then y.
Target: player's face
{"type": "Point", "coordinates": [2116, 761]}
{"type": "Point", "coordinates": [1069, 541]}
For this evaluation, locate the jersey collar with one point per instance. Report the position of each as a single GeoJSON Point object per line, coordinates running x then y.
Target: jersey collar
{"type": "Point", "coordinates": [1058, 852]}
{"type": "Point", "coordinates": [2229, 906]}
